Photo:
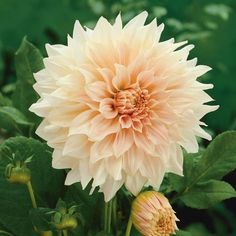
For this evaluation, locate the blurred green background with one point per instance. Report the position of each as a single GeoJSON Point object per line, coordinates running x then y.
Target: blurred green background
{"type": "Point", "coordinates": [209, 24]}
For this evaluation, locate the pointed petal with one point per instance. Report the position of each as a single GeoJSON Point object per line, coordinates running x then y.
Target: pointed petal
{"type": "Point", "coordinates": [78, 32]}
{"type": "Point", "coordinates": [137, 21]}
{"type": "Point", "coordinates": [81, 124]}
{"type": "Point", "coordinates": [77, 146]}
{"type": "Point", "coordinates": [110, 187]}
{"type": "Point", "coordinates": [142, 142]}
{"type": "Point", "coordinates": [133, 159]}
{"type": "Point", "coordinates": [114, 167]}
{"type": "Point", "coordinates": [102, 149]}
{"type": "Point", "coordinates": [101, 127]}
{"type": "Point", "coordinates": [135, 183]}
{"type": "Point", "coordinates": [125, 121]}
{"type": "Point", "coordinates": [123, 141]}
{"type": "Point", "coordinates": [97, 91]}
{"type": "Point", "coordinates": [107, 108]}
{"type": "Point", "coordinates": [122, 79]}
{"type": "Point", "coordinates": [84, 172]}
{"type": "Point", "coordinates": [72, 177]}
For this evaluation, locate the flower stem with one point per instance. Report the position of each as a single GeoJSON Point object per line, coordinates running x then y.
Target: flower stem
{"type": "Point", "coordinates": [129, 226]}
{"type": "Point", "coordinates": [34, 204]}
{"type": "Point", "coordinates": [65, 233]}
{"type": "Point", "coordinates": [31, 193]}
{"type": "Point", "coordinates": [107, 216]}
{"type": "Point", "coordinates": [114, 213]}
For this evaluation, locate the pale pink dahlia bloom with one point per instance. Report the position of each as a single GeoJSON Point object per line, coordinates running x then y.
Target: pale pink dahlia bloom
{"type": "Point", "coordinates": [118, 104]}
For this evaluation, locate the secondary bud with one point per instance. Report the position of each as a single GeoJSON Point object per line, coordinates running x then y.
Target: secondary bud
{"type": "Point", "coordinates": [66, 223]}
{"type": "Point", "coordinates": [17, 174]}
{"type": "Point", "coordinates": [46, 233]}
{"type": "Point", "coordinates": [153, 215]}
{"type": "Point", "coordinates": [64, 217]}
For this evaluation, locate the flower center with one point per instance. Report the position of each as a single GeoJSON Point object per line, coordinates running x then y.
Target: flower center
{"type": "Point", "coordinates": [132, 101]}
{"type": "Point", "coordinates": [163, 223]}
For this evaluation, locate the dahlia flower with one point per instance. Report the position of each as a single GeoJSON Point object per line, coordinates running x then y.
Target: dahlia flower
{"type": "Point", "coordinates": [118, 105]}
{"type": "Point", "coordinates": [152, 215]}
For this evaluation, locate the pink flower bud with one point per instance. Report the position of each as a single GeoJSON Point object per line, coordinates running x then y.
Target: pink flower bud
{"type": "Point", "coordinates": [152, 215]}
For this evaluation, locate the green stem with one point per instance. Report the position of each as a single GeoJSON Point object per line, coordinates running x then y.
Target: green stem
{"type": "Point", "coordinates": [34, 204]}
{"type": "Point", "coordinates": [65, 233]}
{"type": "Point", "coordinates": [114, 213]}
{"type": "Point", "coordinates": [107, 216]}
{"type": "Point", "coordinates": [129, 226]}
{"type": "Point", "coordinates": [31, 193]}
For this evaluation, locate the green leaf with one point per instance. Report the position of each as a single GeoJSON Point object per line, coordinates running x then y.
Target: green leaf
{"type": "Point", "coordinates": [61, 204]}
{"type": "Point", "coordinates": [198, 229]}
{"type": "Point", "coordinates": [13, 120]}
{"type": "Point", "coordinates": [4, 101]}
{"type": "Point", "coordinates": [179, 183]}
{"type": "Point", "coordinates": [28, 60]}
{"type": "Point", "coordinates": [90, 207]}
{"type": "Point", "coordinates": [14, 205]}
{"type": "Point", "coordinates": [216, 161]}
{"type": "Point", "coordinates": [183, 233]}
{"type": "Point", "coordinates": [205, 195]}
{"type": "Point", "coordinates": [47, 183]}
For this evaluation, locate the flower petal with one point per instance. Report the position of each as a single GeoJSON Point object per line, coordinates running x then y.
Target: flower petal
{"type": "Point", "coordinates": [143, 143]}
{"type": "Point", "coordinates": [102, 149]}
{"type": "Point", "coordinates": [133, 159]}
{"type": "Point", "coordinates": [77, 146]}
{"type": "Point", "coordinates": [122, 79]}
{"type": "Point", "coordinates": [137, 21]}
{"type": "Point", "coordinates": [107, 108]}
{"type": "Point", "coordinates": [110, 187]}
{"type": "Point", "coordinates": [81, 124]}
{"type": "Point", "coordinates": [114, 167]}
{"type": "Point", "coordinates": [125, 121]}
{"type": "Point", "coordinates": [101, 127]}
{"type": "Point", "coordinates": [97, 91]}
{"type": "Point", "coordinates": [123, 141]}
{"type": "Point", "coordinates": [135, 183]}
{"type": "Point", "coordinates": [72, 177]}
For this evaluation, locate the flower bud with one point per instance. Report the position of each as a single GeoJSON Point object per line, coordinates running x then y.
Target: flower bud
{"type": "Point", "coordinates": [46, 233]}
{"type": "Point", "coordinates": [153, 215]}
{"type": "Point", "coordinates": [17, 174]}
{"type": "Point", "coordinates": [66, 223]}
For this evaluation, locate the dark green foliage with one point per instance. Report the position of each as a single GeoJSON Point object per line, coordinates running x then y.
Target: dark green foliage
{"type": "Point", "coordinates": [200, 187]}
{"type": "Point", "coordinates": [14, 199]}
{"type": "Point", "coordinates": [28, 61]}
{"type": "Point", "coordinates": [13, 121]}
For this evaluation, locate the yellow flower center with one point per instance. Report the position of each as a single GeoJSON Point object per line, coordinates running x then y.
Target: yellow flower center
{"type": "Point", "coordinates": [162, 223]}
